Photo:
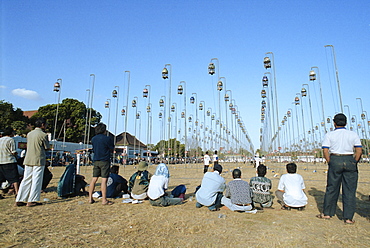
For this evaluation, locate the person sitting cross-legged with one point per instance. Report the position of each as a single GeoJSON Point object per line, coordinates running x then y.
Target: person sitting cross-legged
{"type": "Point", "coordinates": [157, 186]}
{"type": "Point", "coordinates": [261, 187]}
{"type": "Point", "coordinates": [290, 191]}
{"type": "Point", "coordinates": [211, 189]}
{"type": "Point", "coordinates": [238, 195]}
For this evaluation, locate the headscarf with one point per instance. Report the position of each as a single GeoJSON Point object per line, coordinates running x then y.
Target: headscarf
{"type": "Point", "coordinates": [162, 170]}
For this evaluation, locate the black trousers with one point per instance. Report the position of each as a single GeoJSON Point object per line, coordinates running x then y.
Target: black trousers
{"type": "Point", "coordinates": [342, 171]}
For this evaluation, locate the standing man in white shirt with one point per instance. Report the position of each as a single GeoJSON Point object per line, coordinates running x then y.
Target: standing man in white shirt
{"type": "Point", "coordinates": [215, 158]}
{"type": "Point", "coordinates": [206, 159]}
{"type": "Point", "coordinates": [338, 147]}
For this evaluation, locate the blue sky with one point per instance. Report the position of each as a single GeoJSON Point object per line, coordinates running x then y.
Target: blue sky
{"type": "Point", "coordinates": [42, 41]}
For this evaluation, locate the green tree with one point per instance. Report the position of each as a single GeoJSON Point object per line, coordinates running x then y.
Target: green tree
{"type": "Point", "coordinates": [176, 147]}
{"type": "Point", "coordinates": [14, 118]}
{"type": "Point", "coordinates": [71, 117]}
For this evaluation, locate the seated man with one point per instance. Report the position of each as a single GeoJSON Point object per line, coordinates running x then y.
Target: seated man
{"type": "Point", "coordinates": [210, 192]}
{"type": "Point", "coordinates": [116, 184]}
{"type": "Point", "coordinates": [261, 187]}
{"type": "Point", "coordinates": [290, 191]}
{"type": "Point", "coordinates": [238, 195]}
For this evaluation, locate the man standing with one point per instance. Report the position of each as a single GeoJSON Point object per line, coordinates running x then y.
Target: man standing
{"type": "Point", "coordinates": [102, 148]}
{"type": "Point", "coordinates": [210, 192]}
{"type": "Point", "coordinates": [206, 162]}
{"type": "Point", "coordinates": [215, 158]}
{"type": "Point", "coordinates": [8, 161]}
{"type": "Point", "coordinates": [238, 195]}
{"type": "Point", "coordinates": [30, 188]}
{"type": "Point", "coordinates": [338, 147]}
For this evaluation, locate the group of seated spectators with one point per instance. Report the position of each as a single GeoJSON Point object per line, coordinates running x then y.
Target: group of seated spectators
{"type": "Point", "coordinates": [242, 196]}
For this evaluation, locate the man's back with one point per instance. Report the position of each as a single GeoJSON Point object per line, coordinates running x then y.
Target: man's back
{"type": "Point", "coordinates": [239, 192]}
{"type": "Point", "coordinates": [212, 183]}
{"type": "Point", "coordinates": [37, 143]}
{"type": "Point", "coordinates": [102, 147]}
{"type": "Point", "coordinates": [7, 149]}
{"type": "Point", "coordinates": [293, 185]}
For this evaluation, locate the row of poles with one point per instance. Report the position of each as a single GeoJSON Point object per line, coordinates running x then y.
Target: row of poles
{"type": "Point", "coordinates": [214, 132]}
{"type": "Point", "coordinates": [288, 137]}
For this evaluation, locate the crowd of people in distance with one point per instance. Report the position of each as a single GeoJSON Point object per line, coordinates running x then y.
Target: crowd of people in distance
{"type": "Point", "coordinates": [342, 150]}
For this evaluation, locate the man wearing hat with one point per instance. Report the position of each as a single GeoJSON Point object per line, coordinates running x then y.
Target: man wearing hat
{"type": "Point", "coordinates": [139, 182]}
{"type": "Point", "coordinates": [342, 150]}
{"type": "Point", "coordinates": [210, 192]}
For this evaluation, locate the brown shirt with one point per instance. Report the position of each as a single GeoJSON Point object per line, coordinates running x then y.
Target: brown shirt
{"type": "Point", "coordinates": [37, 143]}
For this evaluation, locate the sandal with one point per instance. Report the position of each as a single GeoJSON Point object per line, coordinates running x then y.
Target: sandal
{"type": "Point", "coordinates": [108, 203]}
{"type": "Point", "coordinates": [285, 207]}
{"type": "Point", "coordinates": [322, 216]}
{"type": "Point", "coordinates": [92, 201]}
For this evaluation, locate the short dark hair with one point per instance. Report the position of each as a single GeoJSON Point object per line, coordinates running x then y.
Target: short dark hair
{"type": "Point", "coordinates": [8, 131]}
{"type": "Point", "coordinates": [340, 119]}
{"type": "Point", "coordinates": [100, 128]}
{"type": "Point", "coordinates": [237, 173]}
{"type": "Point", "coordinates": [217, 167]}
{"type": "Point", "coordinates": [291, 168]}
{"type": "Point", "coordinates": [261, 170]}
{"type": "Point", "coordinates": [114, 169]}
{"type": "Point", "coordinates": [40, 121]}
{"type": "Point", "coordinates": [216, 152]}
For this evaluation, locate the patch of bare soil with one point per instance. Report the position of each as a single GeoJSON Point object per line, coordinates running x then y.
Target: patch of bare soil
{"type": "Point", "coordinates": [72, 222]}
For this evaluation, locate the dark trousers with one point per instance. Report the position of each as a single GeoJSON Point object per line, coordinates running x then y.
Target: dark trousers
{"type": "Point", "coordinates": [342, 171]}
{"type": "Point", "coordinates": [205, 168]}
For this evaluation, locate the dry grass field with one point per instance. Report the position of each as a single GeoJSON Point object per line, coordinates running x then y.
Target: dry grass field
{"type": "Point", "coordinates": [73, 222]}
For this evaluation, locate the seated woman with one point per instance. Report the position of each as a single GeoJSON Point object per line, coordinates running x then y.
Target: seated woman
{"type": "Point", "coordinates": [139, 182]}
{"type": "Point", "coordinates": [157, 186]}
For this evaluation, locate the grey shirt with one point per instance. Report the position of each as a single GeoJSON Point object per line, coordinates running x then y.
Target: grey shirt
{"type": "Point", "coordinates": [239, 192]}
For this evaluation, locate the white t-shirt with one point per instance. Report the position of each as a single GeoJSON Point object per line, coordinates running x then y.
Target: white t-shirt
{"type": "Point", "coordinates": [341, 141]}
{"type": "Point", "coordinates": [157, 186]}
{"type": "Point", "coordinates": [293, 186]}
{"type": "Point", "coordinates": [215, 157]}
{"type": "Point", "coordinates": [206, 159]}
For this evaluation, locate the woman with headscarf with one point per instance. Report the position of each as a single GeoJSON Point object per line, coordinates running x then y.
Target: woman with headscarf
{"type": "Point", "coordinates": [157, 186]}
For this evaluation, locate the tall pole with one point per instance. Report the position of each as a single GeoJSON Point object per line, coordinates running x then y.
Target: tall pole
{"type": "Point", "coordinates": [182, 90]}
{"type": "Point", "coordinates": [146, 94]}
{"type": "Point", "coordinates": [309, 101]}
{"type": "Point", "coordinates": [107, 105]}
{"type": "Point", "coordinates": [91, 102]}
{"type": "Point", "coordinates": [86, 117]}
{"type": "Point", "coordinates": [135, 106]}
{"type": "Point", "coordinates": [57, 88]}
{"type": "Point", "coordinates": [337, 77]}
{"type": "Point", "coordinates": [115, 94]}
{"type": "Point", "coordinates": [165, 76]}
{"type": "Point", "coordinates": [313, 78]}
{"type": "Point", "coordinates": [127, 108]}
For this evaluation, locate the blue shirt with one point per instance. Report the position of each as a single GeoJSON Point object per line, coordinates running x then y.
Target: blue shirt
{"type": "Point", "coordinates": [212, 184]}
{"type": "Point", "coordinates": [113, 181]}
{"type": "Point", "coordinates": [102, 147]}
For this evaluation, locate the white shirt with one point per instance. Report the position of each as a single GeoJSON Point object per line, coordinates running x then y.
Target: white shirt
{"type": "Point", "coordinates": [212, 183]}
{"type": "Point", "coordinates": [206, 159]}
{"type": "Point", "coordinates": [341, 141]}
{"type": "Point", "coordinates": [157, 186]}
{"type": "Point", "coordinates": [215, 158]}
{"type": "Point", "coordinates": [293, 186]}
